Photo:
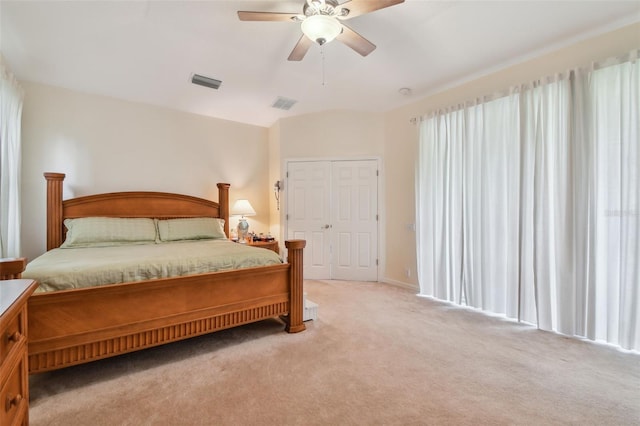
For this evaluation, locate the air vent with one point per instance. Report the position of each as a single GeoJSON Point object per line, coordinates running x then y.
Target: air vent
{"type": "Point", "coordinates": [283, 103]}
{"type": "Point", "coordinates": [206, 81]}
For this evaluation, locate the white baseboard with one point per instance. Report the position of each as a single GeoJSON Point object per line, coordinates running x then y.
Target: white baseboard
{"type": "Point", "coordinates": [408, 286]}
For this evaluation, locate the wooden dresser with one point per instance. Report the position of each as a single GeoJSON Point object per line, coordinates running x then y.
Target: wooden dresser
{"type": "Point", "coordinates": [14, 380]}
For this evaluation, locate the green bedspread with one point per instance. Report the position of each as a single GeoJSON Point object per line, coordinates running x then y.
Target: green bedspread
{"type": "Point", "coordinates": [67, 268]}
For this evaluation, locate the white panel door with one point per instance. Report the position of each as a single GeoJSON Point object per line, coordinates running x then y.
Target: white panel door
{"type": "Point", "coordinates": [334, 205]}
{"type": "Point", "coordinates": [354, 222]}
{"type": "Point", "coordinates": [308, 207]}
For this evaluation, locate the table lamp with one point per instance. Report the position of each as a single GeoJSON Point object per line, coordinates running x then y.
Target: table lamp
{"type": "Point", "coordinates": [242, 208]}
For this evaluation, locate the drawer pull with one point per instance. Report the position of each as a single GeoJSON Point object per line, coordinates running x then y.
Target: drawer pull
{"type": "Point", "coordinates": [13, 337]}
{"type": "Point", "coordinates": [12, 401]}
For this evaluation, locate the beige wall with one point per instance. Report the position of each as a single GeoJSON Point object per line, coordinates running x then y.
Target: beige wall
{"type": "Point", "coordinates": [103, 145]}
{"type": "Point", "coordinates": [340, 133]}
{"type": "Point", "coordinates": [275, 207]}
{"type": "Point", "coordinates": [401, 136]}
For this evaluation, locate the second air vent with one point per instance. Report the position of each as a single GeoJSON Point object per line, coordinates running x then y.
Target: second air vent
{"type": "Point", "coordinates": [283, 103]}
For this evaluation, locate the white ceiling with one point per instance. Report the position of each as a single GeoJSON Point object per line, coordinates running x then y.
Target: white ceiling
{"type": "Point", "coordinates": [147, 51]}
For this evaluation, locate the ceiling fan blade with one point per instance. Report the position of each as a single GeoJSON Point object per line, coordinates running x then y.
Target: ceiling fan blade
{"type": "Point", "coordinates": [300, 49]}
{"type": "Point", "coordinates": [360, 7]}
{"type": "Point", "coordinates": [267, 16]}
{"type": "Point", "coordinates": [355, 41]}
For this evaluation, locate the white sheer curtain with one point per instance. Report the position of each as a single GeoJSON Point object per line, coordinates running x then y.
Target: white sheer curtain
{"type": "Point", "coordinates": [11, 97]}
{"type": "Point", "coordinates": [527, 205]}
{"type": "Point", "coordinates": [548, 207]}
{"type": "Point", "coordinates": [614, 313]}
{"type": "Point", "coordinates": [468, 188]}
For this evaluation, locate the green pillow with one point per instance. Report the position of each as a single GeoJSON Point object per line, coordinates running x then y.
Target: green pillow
{"type": "Point", "coordinates": [108, 231]}
{"type": "Point", "coordinates": [197, 228]}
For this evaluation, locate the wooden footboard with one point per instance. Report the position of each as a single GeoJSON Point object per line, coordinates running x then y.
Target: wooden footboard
{"type": "Point", "coordinates": [77, 326]}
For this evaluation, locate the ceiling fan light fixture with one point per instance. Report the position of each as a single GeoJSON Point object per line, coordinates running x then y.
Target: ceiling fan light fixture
{"type": "Point", "coordinates": [321, 28]}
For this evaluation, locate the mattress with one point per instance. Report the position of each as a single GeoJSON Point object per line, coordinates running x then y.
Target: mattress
{"type": "Point", "coordinates": [69, 268]}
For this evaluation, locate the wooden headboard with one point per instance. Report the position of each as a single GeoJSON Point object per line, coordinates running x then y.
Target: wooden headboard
{"type": "Point", "coordinates": [160, 205]}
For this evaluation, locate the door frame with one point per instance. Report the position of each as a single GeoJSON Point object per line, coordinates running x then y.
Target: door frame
{"type": "Point", "coordinates": [284, 203]}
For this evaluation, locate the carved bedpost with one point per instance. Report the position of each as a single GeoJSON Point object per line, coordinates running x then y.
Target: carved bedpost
{"type": "Point", "coordinates": [223, 201]}
{"type": "Point", "coordinates": [296, 303]}
{"type": "Point", "coordinates": [54, 209]}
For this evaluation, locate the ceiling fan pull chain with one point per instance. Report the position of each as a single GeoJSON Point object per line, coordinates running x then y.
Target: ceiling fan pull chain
{"type": "Point", "coordinates": [322, 59]}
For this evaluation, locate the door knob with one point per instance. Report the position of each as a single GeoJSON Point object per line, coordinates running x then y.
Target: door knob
{"type": "Point", "coordinates": [327, 226]}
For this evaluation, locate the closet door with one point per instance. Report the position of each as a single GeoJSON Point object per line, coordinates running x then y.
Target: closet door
{"type": "Point", "coordinates": [309, 214]}
{"type": "Point", "coordinates": [354, 220]}
{"type": "Point", "coordinates": [334, 205]}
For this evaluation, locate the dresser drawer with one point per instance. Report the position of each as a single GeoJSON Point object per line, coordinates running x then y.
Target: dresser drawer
{"type": "Point", "coordinates": [14, 379]}
{"type": "Point", "coordinates": [12, 334]}
{"type": "Point", "coordinates": [14, 395]}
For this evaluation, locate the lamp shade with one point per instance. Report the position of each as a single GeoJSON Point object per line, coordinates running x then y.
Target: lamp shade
{"type": "Point", "coordinates": [242, 208]}
{"type": "Point", "coordinates": [321, 28]}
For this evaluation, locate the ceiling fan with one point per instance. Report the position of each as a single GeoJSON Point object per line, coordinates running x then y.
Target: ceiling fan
{"type": "Point", "coordinates": [320, 22]}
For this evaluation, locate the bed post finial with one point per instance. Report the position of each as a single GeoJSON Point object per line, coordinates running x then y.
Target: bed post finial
{"type": "Point", "coordinates": [223, 202]}
{"type": "Point", "coordinates": [54, 209]}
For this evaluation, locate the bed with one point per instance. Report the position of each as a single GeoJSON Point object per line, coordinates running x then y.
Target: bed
{"type": "Point", "coordinates": [78, 325]}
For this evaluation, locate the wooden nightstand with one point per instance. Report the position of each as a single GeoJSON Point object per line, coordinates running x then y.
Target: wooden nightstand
{"type": "Point", "coordinates": [14, 381]}
{"type": "Point", "coordinates": [271, 245]}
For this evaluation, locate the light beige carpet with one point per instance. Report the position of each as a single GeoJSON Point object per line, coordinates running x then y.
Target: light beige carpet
{"type": "Point", "coordinates": [376, 355]}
